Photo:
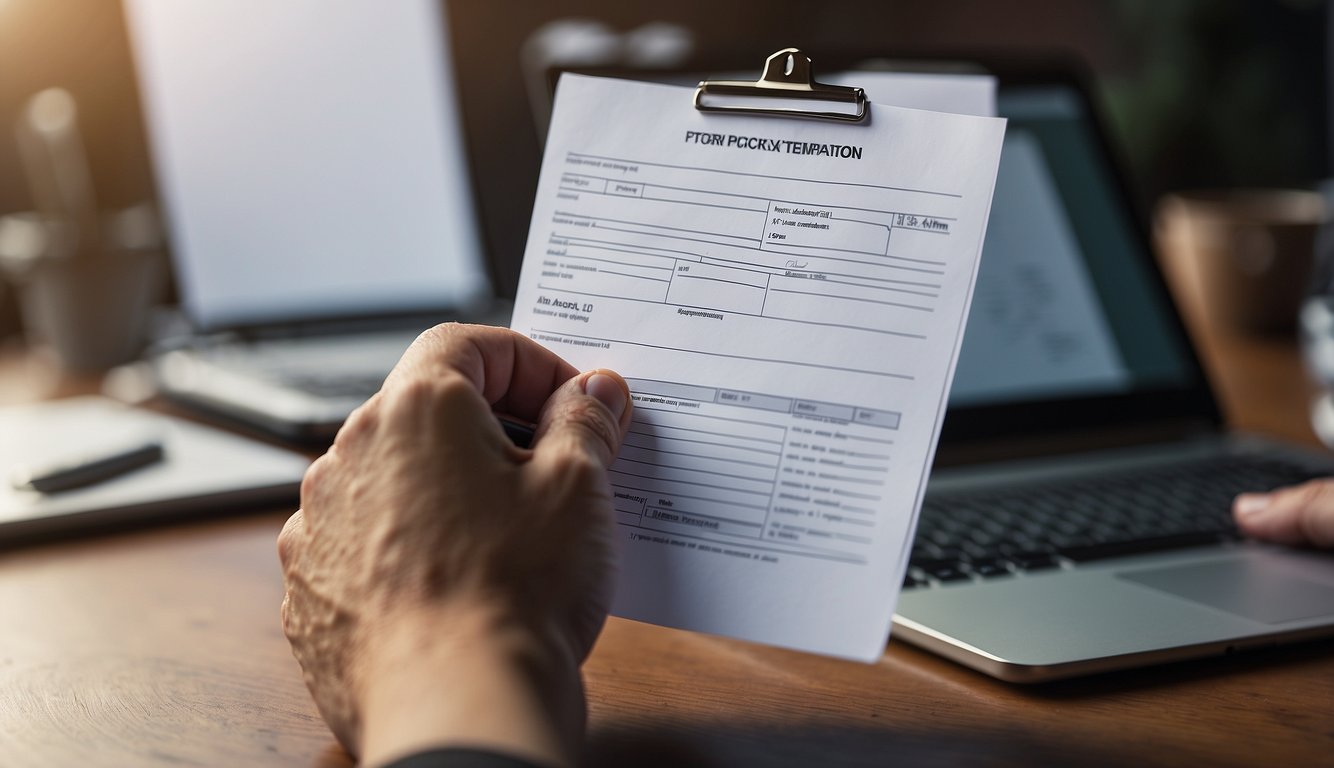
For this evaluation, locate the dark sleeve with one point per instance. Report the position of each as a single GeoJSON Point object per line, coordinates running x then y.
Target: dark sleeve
{"type": "Point", "coordinates": [457, 757]}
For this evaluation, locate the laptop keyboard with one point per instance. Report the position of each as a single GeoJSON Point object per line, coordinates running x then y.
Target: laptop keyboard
{"type": "Point", "coordinates": [351, 366]}
{"type": "Point", "coordinates": [985, 535]}
{"type": "Point", "coordinates": [360, 386]}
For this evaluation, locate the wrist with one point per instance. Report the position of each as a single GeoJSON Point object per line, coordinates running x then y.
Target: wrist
{"type": "Point", "coordinates": [469, 676]}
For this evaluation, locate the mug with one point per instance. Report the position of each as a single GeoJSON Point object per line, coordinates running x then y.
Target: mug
{"type": "Point", "coordinates": [1244, 255]}
{"type": "Point", "coordinates": [90, 309]}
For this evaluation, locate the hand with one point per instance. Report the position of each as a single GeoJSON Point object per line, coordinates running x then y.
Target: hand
{"type": "Point", "coordinates": [1300, 515]}
{"type": "Point", "coordinates": [443, 586]}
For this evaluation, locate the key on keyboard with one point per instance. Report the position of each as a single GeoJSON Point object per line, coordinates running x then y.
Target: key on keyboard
{"type": "Point", "coordinates": [962, 536]}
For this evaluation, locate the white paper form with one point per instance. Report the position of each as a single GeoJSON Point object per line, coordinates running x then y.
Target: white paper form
{"type": "Point", "coordinates": [786, 299]}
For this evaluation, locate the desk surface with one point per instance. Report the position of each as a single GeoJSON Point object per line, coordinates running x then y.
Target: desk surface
{"type": "Point", "coordinates": [162, 646]}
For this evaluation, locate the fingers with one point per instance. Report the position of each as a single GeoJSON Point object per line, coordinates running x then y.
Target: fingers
{"type": "Point", "coordinates": [513, 373]}
{"type": "Point", "coordinates": [587, 417]}
{"type": "Point", "coordinates": [1302, 514]}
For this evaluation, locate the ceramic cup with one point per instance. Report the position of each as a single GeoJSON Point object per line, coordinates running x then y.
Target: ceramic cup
{"type": "Point", "coordinates": [1244, 254]}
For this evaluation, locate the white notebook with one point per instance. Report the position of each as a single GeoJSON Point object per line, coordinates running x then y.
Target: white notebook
{"type": "Point", "coordinates": [201, 468]}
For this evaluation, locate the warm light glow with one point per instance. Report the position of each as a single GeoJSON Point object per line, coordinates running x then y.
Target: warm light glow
{"type": "Point", "coordinates": [53, 110]}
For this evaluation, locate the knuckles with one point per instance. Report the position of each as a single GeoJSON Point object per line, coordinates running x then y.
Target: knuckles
{"type": "Point", "coordinates": [285, 615]}
{"type": "Point", "coordinates": [315, 479]}
{"type": "Point", "coordinates": [578, 469]}
{"type": "Point", "coordinates": [287, 538]}
{"type": "Point", "coordinates": [360, 422]}
{"type": "Point", "coordinates": [435, 335]}
{"type": "Point", "coordinates": [416, 397]}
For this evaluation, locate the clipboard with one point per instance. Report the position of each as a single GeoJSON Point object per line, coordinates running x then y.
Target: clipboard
{"type": "Point", "coordinates": [738, 272]}
{"type": "Point", "coordinates": [787, 75]}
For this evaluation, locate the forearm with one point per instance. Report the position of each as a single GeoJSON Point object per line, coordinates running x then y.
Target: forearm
{"type": "Point", "coordinates": [469, 678]}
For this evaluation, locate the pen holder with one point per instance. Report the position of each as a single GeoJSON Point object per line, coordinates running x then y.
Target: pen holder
{"type": "Point", "coordinates": [89, 309]}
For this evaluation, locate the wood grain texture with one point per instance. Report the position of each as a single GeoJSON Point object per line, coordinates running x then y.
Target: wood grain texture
{"type": "Point", "coordinates": [153, 647]}
{"type": "Point", "coordinates": [162, 647]}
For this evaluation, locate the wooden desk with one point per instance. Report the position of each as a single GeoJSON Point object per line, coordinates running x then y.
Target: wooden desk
{"type": "Point", "coordinates": [162, 647]}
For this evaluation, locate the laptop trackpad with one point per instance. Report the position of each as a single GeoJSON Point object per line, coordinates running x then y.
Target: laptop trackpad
{"type": "Point", "coordinates": [1247, 587]}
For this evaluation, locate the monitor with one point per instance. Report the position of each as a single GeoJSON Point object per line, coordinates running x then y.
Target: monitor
{"type": "Point", "coordinates": [309, 158]}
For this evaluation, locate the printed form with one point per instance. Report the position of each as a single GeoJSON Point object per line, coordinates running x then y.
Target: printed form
{"type": "Point", "coordinates": [786, 299]}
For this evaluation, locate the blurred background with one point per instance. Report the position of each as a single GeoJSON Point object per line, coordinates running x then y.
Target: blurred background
{"type": "Point", "coordinates": [1200, 93]}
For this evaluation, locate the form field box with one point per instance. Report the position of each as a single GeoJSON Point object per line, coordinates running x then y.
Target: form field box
{"type": "Point", "coordinates": [906, 319]}
{"type": "Point", "coordinates": [813, 234]}
{"type": "Point", "coordinates": [630, 284]}
{"type": "Point", "coordinates": [706, 286]}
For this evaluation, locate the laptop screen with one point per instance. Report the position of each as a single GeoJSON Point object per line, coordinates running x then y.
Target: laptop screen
{"type": "Point", "coordinates": [308, 157]}
{"type": "Point", "coordinates": [1066, 302]}
{"type": "Point", "coordinates": [1071, 329]}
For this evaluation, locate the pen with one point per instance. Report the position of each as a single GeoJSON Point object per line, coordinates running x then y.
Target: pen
{"type": "Point", "coordinates": [519, 434]}
{"type": "Point", "coordinates": [80, 471]}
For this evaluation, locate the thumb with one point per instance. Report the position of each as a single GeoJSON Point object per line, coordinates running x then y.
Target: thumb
{"type": "Point", "coordinates": [1302, 514]}
{"type": "Point", "coordinates": [588, 414]}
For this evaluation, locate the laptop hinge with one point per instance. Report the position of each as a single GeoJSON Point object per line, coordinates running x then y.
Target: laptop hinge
{"type": "Point", "coordinates": [1067, 443]}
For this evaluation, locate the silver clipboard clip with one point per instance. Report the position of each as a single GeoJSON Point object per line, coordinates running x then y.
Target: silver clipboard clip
{"type": "Point", "coordinates": [787, 75]}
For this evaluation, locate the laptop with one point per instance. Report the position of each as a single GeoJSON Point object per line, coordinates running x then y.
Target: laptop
{"type": "Point", "coordinates": [1078, 519]}
{"type": "Point", "coordinates": [317, 196]}
{"type": "Point", "coordinates": [1078, 516]}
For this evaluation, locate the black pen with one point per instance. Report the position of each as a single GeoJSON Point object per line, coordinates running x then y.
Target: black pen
{"type": "Point", "coordinates": [82, 470]}
{"type": "Point", "coordinates": [519, 433]}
